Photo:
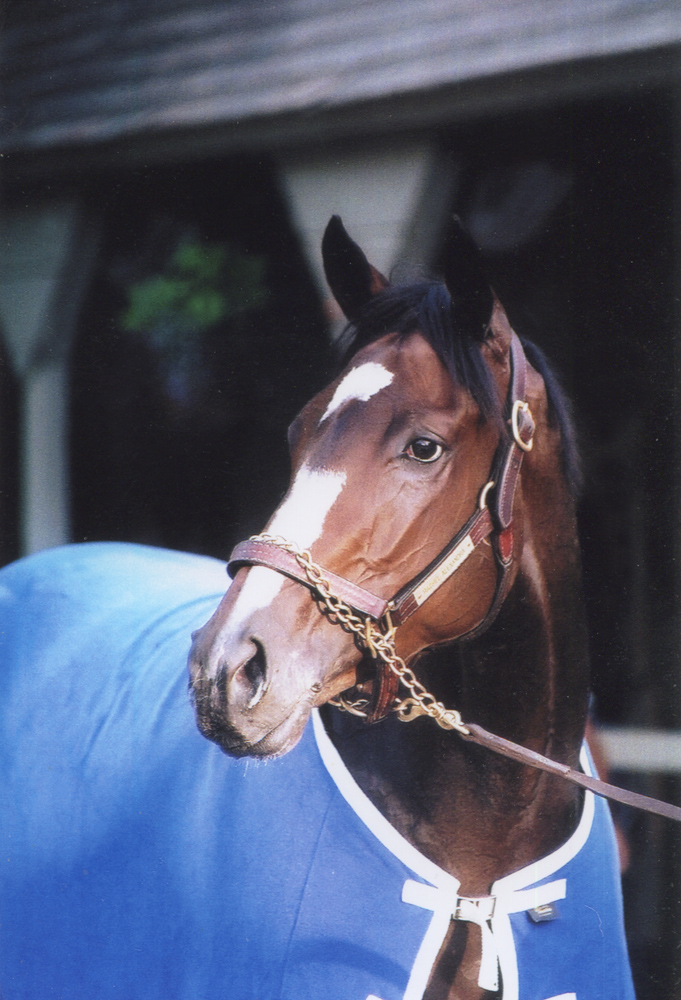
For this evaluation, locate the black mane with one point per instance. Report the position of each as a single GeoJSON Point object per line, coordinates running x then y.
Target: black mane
{"type": "Point", "coordinates": [428, 307]}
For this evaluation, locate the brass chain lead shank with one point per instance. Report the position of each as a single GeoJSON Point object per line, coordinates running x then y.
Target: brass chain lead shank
{"type": "Point", "coordinates": [380, 643]}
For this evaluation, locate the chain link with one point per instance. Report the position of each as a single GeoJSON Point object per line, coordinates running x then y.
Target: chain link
{"type": "Point", "coordinates": [380, 643]}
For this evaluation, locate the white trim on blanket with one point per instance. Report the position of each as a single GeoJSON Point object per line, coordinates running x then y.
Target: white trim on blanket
{"type": "Point", "coordinates": [512, 892]}
{"type": "Point", "coordinates": [374, 820]}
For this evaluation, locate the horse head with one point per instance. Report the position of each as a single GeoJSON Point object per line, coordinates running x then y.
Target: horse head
{"type": "Point", "coordinates": [389, 463]}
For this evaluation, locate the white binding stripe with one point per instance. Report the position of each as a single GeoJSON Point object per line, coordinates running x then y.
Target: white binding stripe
{"type": "Point", "coordinates": [536, 872]}
{"type": "Point", "coordinates": [372, 818]}
{"type": "Point", "coordinates": [546, 866]}
{"type": "Point", "coordinates": [480, 911]}
{"type": "Point", "coordinates": [360, 383]}
{"type": "Point", "coordinates": [519, 882]}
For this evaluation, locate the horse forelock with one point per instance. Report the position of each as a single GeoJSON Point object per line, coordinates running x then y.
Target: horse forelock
{"type": "Point", "coordinates": [429, 308]}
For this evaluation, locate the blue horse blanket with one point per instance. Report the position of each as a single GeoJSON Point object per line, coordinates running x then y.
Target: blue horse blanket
{"type": "Point", "coordinates": [140, 862]}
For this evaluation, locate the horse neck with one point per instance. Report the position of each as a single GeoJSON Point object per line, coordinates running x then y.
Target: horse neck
{"type": "Point", "coordinates": [478, 815]}
{"type": "Point", "coordinates": [527, 678]}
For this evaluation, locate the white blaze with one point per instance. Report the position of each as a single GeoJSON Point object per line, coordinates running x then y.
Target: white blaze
{"type": "Point", "coordinates": [299, 519]}
{"type": "Point", "coordinates": [360, 383]}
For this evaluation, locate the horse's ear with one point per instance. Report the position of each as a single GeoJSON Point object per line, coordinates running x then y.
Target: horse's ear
{"type": "Point", "coordinates": [352, 279]}
{"type": "Point", "coordinates": [472, 296]}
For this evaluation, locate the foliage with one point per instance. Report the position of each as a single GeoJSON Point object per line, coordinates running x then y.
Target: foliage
{"type": "Point", "coordinates": [203, 285]}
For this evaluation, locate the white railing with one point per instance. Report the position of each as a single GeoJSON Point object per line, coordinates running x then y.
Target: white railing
{"type": "Point", "coordinates": [653, 751]}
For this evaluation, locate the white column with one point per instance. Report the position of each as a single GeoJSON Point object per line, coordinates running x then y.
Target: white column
{"type": "Point", "coordinates": [44, 457]}
{"type": "Point", "coordinates": [675, 868]}
{"type": "Point", "coordinates": [676, 222]}
{"type": "Point", "coordinates": [46, 256]}
{"type": "Point", "coordinates": [394, 203]}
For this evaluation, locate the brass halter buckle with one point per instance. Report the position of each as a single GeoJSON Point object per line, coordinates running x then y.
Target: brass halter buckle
{"type": "Point", "coordinates": [520, 406]}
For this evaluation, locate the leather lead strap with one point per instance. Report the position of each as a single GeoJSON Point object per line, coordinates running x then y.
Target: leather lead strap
{"type": "Point", "coordinates": [476, 734]}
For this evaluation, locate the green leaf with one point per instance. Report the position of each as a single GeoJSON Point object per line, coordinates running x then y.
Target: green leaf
{"type": "Point", "coordinates": [205, 307]}
{"type": "Point", "coordinates": [203, 285]}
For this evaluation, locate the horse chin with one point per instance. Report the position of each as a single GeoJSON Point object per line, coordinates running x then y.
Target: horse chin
{"type": "Point", "coordinates": [235, 742]}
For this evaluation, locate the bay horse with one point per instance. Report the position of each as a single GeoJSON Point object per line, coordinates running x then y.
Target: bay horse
{"type": "Point", "coordinates": [423, 568]}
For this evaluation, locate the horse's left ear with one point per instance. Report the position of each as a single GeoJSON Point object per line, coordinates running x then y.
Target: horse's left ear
{"type": "Point", "coordinates": [472, 297]}
{"type": "Point", "coordinates": [352, 279]}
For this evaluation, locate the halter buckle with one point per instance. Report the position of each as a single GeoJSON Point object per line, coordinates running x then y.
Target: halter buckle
{"type": "Point", "coordinates": [520, 406]}
{"type": "Point", "coordinates": [387, 622]}
{"type": "Point", "coordinates": [482, 502]}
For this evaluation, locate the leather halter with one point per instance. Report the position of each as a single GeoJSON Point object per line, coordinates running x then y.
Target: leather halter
{"type": "Point", "coordinates": [493, 518]}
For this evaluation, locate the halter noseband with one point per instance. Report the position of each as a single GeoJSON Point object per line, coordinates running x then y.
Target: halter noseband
{"type": "Point", "coordinates": [494, 517]}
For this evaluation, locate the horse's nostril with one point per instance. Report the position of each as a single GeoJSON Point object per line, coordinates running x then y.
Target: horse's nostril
{"type": "Point", "coordinates": [255, 671]}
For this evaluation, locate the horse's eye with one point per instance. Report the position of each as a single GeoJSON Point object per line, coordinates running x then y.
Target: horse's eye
{"type": "Point", "coordinates": [424, 450]}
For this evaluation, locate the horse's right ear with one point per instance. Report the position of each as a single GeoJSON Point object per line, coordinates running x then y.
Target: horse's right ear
{"type": "Point", "coordinates": [466, 281]}
{"type": "Point", "coordinates": [352, 279]}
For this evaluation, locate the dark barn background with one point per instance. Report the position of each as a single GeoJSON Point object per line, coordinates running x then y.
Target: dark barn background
{"type": "Point", "coordinates": [139, 127]}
